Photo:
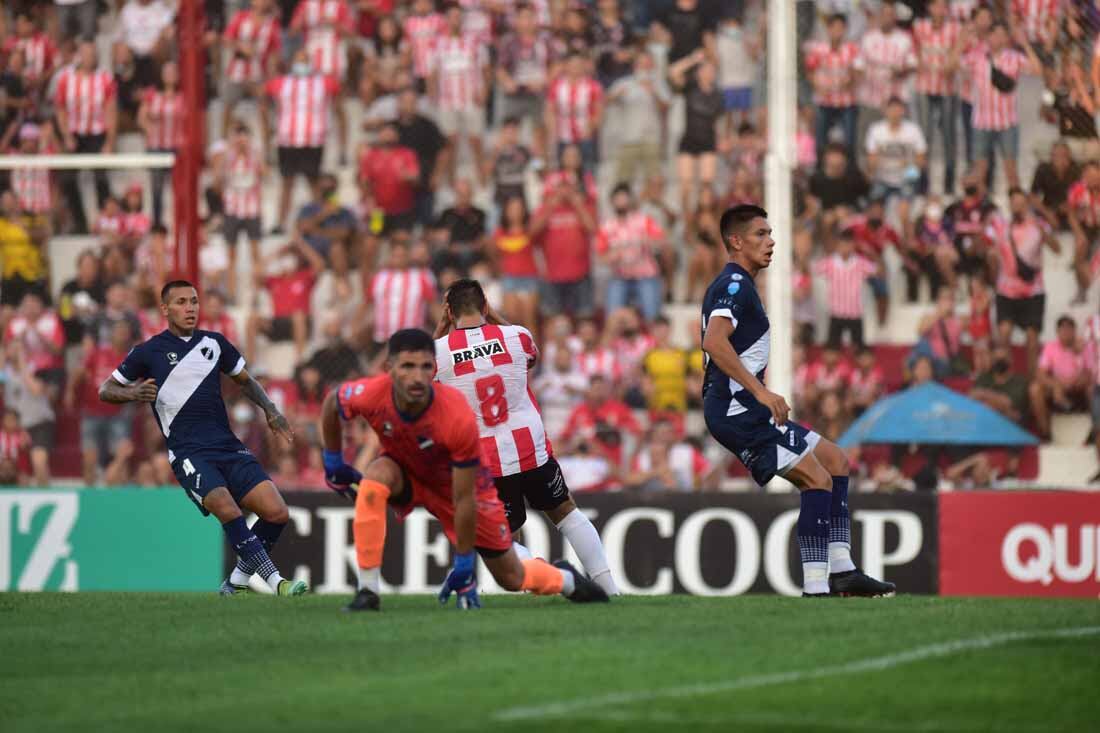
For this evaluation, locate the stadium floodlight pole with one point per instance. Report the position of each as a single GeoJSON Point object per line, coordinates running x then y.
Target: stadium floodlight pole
{"type": "Point", "coordinates": [185, 175]}
{"type": "Point", "coordinates": [779, 162]}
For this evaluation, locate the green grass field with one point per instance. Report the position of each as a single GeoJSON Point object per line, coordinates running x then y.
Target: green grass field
{"type": "Point", "coordinates": [158, 662]}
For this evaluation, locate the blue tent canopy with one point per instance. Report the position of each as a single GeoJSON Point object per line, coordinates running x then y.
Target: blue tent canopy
{"type": "Point", "coordinates": [932, 414]}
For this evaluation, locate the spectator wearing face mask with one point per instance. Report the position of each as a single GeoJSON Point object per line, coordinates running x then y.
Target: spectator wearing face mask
{"type": "Point", "coordinates": [634, 246]}
{"type": "Point", "coordinates": [1051, 184]}
{"type": "Point", "coordinates": [919, 255]}
{"type": "Point", "coordinates": [967, 222]}
{"type": "Point", "coordinates": [1002, 388]}
{"type": "Point", "coordinates": [872, 235]}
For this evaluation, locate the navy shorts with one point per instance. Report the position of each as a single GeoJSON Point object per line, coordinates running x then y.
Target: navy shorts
{"type": "Point", "coordinates": [766, 450]}
{"type": "Point", "coordinates": [201, 472]}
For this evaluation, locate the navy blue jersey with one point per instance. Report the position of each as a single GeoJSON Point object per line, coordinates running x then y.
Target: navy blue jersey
{"type": "Point", "coordinates": [733, 295]}
{"type": "Point", "coordinates": [189, 407]}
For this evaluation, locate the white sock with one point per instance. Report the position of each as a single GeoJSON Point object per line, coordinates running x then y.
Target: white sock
{"type": "Point", "coordinates": [840, 557]}
{"type": "Point", "coordinates": [371, 579]}
{"type": "Point", "coordinates": [521, 551]}
{"type": "Point", "coordinates": [567, 583]}
{"type": "Point", "coordinates": [585, 540]}
{"type": "Point", "coordinates": [239, 577]}
{"type": "Point", "coordinates": [273, 581]}
{"type": "Point", "coordinates": [815, 577]}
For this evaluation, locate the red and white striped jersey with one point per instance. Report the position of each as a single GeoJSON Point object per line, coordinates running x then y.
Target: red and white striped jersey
{"type": "Point", "coordinates": [13, 444]}
{"type": "Point", "coordinates": [832, 70]}
{"type": "Point", "coordinates": [630, 244]}
{"type": "Point", "coordinates": [933, 46]}
{"type": "Point", "coordinates": [573, 104]}
{"type": "Point", "coordinates": [39, 53]}
{"type": "Point", "coordinates": [488, 365]}
{"type": "Point", "coordinates": [601, 360]}
{"type": "Point", "coordinates": [1040, 19]}
{"type": "Point", "coordinates": [477, 21]}
{"type": "Point", "coordinates": [965, 74]}
{"type": "Point", "coordinates": [109, 225]}
{"type": "Point", "coordinates": [84, 95]}
{"type": "Point", "coordinates": [1084, 204]}
{"type": "Point", "coordinates": [242, 183]}
{"type": "Point", "coordinates": [421, 32]}
{"type": "Point", "coordinates": [136, 224]}
{"type": "Point", "coordinates": [458, 63]}
{"type": "Point", "coordinates": [400, 299]}
{"type": "Point", "coordinates": [882, 56]}
{"type": "Point", "coordinates": [32, 187]}
{"type": "Point", "coordinates": [262, 34]}
{"type": "Point", "coordinates": [304, 104]}
{"type": "Point", "coordinates": [845, 280]}
{"type": "Point", "coordinates": [324, 23]}
{"type": "Point", "coordinates": [994, 109]}
{"type": "Point", "coordinates": [962, 10]}
{"type": "Point", "coordinates": [166, 120]}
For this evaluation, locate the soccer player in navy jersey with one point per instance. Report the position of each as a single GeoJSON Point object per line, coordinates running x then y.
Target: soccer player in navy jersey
{"type": "Point", "coordinates": [178, 372]}
{"type": "Point", "coordinates": [752, 422]}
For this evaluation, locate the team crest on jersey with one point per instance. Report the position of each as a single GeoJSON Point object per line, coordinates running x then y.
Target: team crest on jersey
{"type": "Point", "coordinates": [173, 358]}
{"type": "Point", "coordinates": [424, 443]}
{"type": "Point", "coordinates": [387, 428]}
{"type": "Point", "coordinates": [483, 350]}
{"type": "Point", "coordinates": [207, 353]}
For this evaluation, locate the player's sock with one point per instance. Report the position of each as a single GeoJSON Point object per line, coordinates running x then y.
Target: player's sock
{"type": "Point", "coordinates": [371, 579]}
{"type": "Point", "coordinates": [813, 540]}
{"type": "Point", "coordinates": [268, 533]}
{"type": "Point", "coordinates": [840, 529]}
{"type": "Point", "coordinates": [542, 578]}
{"type": "Point", "coordinates": [578, 530]}
{"type": "Point", "coordinates": [369, 528]}
{"type": "Point", "coordinates": [521, 551]}
{"type": "Point", "coordinates": [250, 551]}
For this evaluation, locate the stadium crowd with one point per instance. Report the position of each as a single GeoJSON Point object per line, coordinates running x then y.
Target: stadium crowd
{"type": "Point", "coordinates": [533, 145]}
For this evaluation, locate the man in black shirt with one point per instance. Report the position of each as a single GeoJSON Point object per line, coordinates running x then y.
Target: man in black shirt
{"type": "Point", "coordinates": [462, 228]}
{"type": "Point", "coordinates": [507, 164]}
{"type": "Point", "coordinates": [691, 24]}
{"type": "Point", "coordinates": [1050, 186]}
{"type": "Point", "coordinates": [836, 188]}
{"type": "Point", "coordinates": [424, 137]}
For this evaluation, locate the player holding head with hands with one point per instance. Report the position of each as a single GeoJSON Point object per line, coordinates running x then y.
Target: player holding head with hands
{"type": "Point", "coordinates": [178, 372]}
{"type": "Point", "coordinates": [487, 360]}
{"type": "Point", "coordinates": [430, 458]}
{"type": "Point", "coordinates": [752, 422]}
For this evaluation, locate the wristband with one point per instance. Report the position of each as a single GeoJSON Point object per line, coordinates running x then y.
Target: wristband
{"type": "Point", "coordinates": [464, 562]}
{"type": "Point", "coordinates": [332, 459]}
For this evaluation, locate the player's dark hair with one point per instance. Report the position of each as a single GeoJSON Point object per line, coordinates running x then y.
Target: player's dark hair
{"type": "Point", "coordinates": [410, 339]}
{"type": "Point", "coordinates": [736, 219]}
{"type": "Point", "coordinates": [172, 285]}
{"type": "Point", "coordinates": [465, 297]}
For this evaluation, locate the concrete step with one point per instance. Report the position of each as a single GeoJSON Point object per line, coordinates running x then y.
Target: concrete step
{"type": "Point", "coordinates": [1070, 431]}
{"type": "Point", "coordinates": [1063, 467]}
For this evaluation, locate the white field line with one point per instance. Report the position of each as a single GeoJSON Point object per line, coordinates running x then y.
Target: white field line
{"type": "Point", "coordinates": [931, 651]}
{"type": "Point", "coordinates": [792, 722]}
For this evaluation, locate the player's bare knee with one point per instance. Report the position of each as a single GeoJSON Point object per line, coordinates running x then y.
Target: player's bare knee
{"type": "Point", "coordinates": [221, 504]}
{"type": "Point", "coordinates": [276, 514]}
{"type": "Point", "coordinates": [832, 458]}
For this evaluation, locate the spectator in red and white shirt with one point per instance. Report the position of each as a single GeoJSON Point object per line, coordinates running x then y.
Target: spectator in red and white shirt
{"type": "Point", "coordinates": [973, 41]}
{"type": "Point", "coordinates": [522, 72]}
{"type": "Point", "coordinates": [40, 55]}
{"type": "Point", "coordinates": [42, 336]}
{"type": "Point", "coordinates": [844, 273]}
{"type": "Point", "coordinates": [388, 177]}
{"type": "Point", "coordinates": [400, 295]}
{"type": "Point", "coordinates": [600, 422]}
{"type": "Point", "coordinates": [135, 224]}
{"type": "Point", "coordinates": [563, 227]}
{"type": "Point", "coordinates": [996, 115]}
{"type": "Point", "coordinates": [833, 67]}
{"type": "Point", "coordinates": [872, 236]}
{"type": "Point", "coordinates": [1040, 20]}
{"type": "Point", "coordinates": [574, 110]}
{"type": "Point", "coordinates": [1018, 252]}
{"type": "Point", "coordinates": [1083, 212]}
{"type": "Point", "coordinates": [458, 84]}
{"type": "Point", "coordinates": [887, 61]}
{"type": "Point", "coordinates": [15, 446]}
{"type": "Point", "coordinates": [935, 38]}
{"type": "Point", "coordinates": [595, 354]}
{"type": "Point", "coordinates": [304, 100]}
{"type": "Point", "coordinates": [664, 463]}
{"type": "Point", "coordinates": [326, 24]}
{"type": "Point", "coordinates": [829, 372]}
{"type": "Point", "coordinates": [87, 116]}
{"type": "Point", "coordinates": [634, 246]}
{"type": "Point", "coordinates": [422, 26]}
{"type": "Point", "coordinates": [866, 383]}
{"type": "Point", "coordinates": [241, 170]}
{"type": "Point", "coordinates": [33, 187]}
{"type": "Point", "coordinates": [162, 117]}
{"type": "Point", "coordinates": [253, 40]}
{"type": "Point", "coordinates": [289, 282]}
{"type": "Point", "coordinates": [1064, 377]}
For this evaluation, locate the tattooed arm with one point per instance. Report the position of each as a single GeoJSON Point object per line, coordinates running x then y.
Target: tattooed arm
{"type": "Point", "coordinates": [251, 389]}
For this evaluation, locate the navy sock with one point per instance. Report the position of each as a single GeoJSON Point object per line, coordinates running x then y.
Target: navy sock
{"type": "Point", "coordinates": [249, 548]}
{"type": "Point", "coordinates": [268, 534]}
{"type": "Point", "coordinates": [840, 527]}
{"type": "Point", "coordinates": [813, 526]}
